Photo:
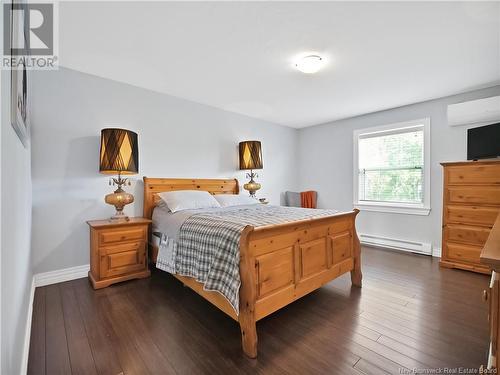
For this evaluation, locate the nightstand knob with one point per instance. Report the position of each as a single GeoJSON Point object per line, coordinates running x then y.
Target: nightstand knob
{"type": "Point", "coordinates": [485, 296]}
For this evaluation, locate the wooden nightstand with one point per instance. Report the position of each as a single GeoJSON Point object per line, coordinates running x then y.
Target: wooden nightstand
{"type": "Point", "coordinates": [118, 251]}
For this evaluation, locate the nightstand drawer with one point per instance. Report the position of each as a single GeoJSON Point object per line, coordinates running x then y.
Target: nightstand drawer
{"type": "Point", "coordinates": [122, 259]}
{"type": "Point", "coordinates": [121, 248]}
{"type": "Point", "coordinates": [120, 235]}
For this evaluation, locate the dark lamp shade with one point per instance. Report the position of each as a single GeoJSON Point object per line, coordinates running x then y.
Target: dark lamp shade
{"type": "Point", "coordinates": [119, 152]}
{"type": "Point", "coordinates": [250, 155]}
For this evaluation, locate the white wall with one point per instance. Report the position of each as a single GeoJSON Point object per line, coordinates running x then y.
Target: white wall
{"type": "Point", "coordinates": [326, 165]}
{"type": "Point", "coordinates": [177, 138]}
{"type": "Point", "coordinates": [16, 270]}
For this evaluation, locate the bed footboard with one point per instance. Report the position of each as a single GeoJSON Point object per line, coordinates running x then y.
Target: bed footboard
{"type": "Point", "coordinates": [282, 263]}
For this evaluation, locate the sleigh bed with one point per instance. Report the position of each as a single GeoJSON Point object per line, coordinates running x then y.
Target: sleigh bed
{"type": "Point", "coordinates": [278, 263]}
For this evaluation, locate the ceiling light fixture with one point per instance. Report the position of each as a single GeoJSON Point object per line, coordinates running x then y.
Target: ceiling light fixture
{"type": "Point", "coordinates": [310, 64]}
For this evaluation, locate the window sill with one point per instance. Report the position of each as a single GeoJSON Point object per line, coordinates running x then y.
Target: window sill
{"type": "Point", "coordinates": [396, 209]}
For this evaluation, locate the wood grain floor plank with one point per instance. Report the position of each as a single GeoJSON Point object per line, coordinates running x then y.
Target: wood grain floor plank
{"type": "Point", "coordinates": [409, 314]}
{"type": "Point", "coordinates": [470, 352]}
{"type": "Point", "coordinates": [99, 333]}
{"type": "Point", "coordinates": [81, 358]}
{"type": "Point", "coordinates": [36, 362]}
{"type": "Point", "coordinates": [464, 317]}
{"type": "Point", "coordinates": [446, 353]}
{"type": "Point", "coordinates": [429, 360]}
{"type": "Point", "coordinates": [345, 339]}
{"type": "Point", "coordinates": [190, 351]}
{"type": "Point", "coordinates": [435, 323]}
{"type": "Point", "coordinates": [56, 344]}
{"type": "Point", "coordinates": [130, 327]}
{"type": "Point", "coordinates": [369, 369]}
{"type": "Point", "coordinates": [433, 338]}
{"type": "Point", "coordinates": [314, 348]}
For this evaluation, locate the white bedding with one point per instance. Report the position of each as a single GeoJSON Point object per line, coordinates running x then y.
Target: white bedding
{"type": "Point", "coordinates": [167, 225]}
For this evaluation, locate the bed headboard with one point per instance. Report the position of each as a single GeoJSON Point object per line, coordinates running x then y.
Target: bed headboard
{"type": "Point", "coordinates": [153, 186]}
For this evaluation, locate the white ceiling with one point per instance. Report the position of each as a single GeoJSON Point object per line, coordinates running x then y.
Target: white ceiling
{"type": "Point", "coordinates": [238, 55]}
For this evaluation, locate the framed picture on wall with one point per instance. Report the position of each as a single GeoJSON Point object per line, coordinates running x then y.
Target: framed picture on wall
{"type": "Point", "coordinates": [19, 81]}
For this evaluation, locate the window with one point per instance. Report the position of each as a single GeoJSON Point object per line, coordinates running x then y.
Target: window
{"type": "Point", "coordinates": [391, 168]}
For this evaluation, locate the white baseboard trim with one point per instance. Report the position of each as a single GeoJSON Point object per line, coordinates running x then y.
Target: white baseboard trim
{"type": "Point", "coordinates": [27, 330]}
{"type": "Point", "coordinates": [436, 252]}
{"type": "Point", "coordinates": [59, 276]}
{"type": "Point", "coordinates": [396, 244]}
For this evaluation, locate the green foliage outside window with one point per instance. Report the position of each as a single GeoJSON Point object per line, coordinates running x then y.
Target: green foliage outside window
{"type": "Point", "coordinates": [391, 167]}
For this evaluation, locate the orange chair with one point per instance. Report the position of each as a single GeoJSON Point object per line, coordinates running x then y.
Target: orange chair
{"type": "Point", "coordinates": [306, 199]}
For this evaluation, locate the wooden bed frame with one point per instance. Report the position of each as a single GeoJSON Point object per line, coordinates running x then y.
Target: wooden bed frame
{"type": "Point", "coordinates": [278, 263]}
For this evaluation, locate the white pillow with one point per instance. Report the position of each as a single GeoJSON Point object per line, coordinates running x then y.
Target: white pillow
{"type": "Point", "coordinates": [188, 200]}
{"type": "Point", "coordinates": [227, 200]}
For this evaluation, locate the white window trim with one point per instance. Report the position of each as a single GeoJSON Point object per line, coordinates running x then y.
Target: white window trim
{"type": "Point", "coordinates": [401, 208]}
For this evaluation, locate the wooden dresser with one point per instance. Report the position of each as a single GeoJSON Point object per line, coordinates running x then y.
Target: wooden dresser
{"type": "Point", "coordinates": [118, 251]}
{"type": "Point", "coordinates": [471, 203]}
{"type": "Point", "coordinates": [490, 257]}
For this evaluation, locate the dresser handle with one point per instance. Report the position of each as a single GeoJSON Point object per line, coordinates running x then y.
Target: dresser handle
{"type": "Point", "coordinates": [485, 296]}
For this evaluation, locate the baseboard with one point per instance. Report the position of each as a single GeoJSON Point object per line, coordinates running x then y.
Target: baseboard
{"type": "Point", "coordinates": [396, 244]}
{"type": "Point", "coordinates": [27, 330]}
{"type": "Point", "coordinates": [59, 276]}
{"type": "Point", "coordinates": [436, 252]}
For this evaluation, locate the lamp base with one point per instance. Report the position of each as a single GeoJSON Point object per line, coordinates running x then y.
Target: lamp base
{"type": "Point", "coordinates": [119, 217]}
{"type": "Point", "coordinates": [119, 199]}
{"type": "Point", "coordinates": [251, 185]}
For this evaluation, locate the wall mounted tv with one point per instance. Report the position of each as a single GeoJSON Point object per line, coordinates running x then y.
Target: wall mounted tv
{"type": "Point", "coordinates": [483, 142]}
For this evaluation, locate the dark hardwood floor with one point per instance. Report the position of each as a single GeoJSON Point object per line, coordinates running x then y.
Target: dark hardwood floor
{"type": "Point", "coordinates": [409, 314]}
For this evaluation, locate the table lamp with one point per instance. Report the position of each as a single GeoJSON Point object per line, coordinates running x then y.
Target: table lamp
{"type": "Point", "coordinates": [119, 155]}
{"type": "Point", "coordinates": [251, 158]}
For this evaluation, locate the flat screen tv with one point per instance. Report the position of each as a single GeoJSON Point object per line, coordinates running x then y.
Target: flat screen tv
{"type": "Point", "coordinates": [483, 142]}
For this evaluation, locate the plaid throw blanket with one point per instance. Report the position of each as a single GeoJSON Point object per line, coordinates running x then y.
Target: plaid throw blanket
{"type": "Point", "coordinates": [208, 245]}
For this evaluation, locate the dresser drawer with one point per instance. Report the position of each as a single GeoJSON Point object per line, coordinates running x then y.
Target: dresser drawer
{"type": "Point", "coordinates": [473, 174]}
{"type": "Point", "coordinates": [463, 253]}
{"type": "Point", "coordinates": [474, 194]}
{"type": "Point", "coordinates": [122, 259]}
{"type": "Point", "coordinates": [471, 215]}
{"type": "Point", "coordinates": [120, 235]}
{"type": "Point", "coordinates": [466, 233]}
